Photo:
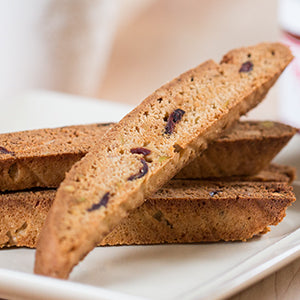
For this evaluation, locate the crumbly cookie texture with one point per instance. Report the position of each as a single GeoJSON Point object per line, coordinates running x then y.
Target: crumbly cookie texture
{"type": "Point", "coordinates": [41, 158]}
{"type": "Point", "coordinates": [176, 122]}
{"type": "Point", "coordinates": [183, 211]}
{"type": "Point", "coordinates": [244, 149]}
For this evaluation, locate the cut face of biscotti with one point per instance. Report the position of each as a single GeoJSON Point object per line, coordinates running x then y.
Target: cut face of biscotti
{"type": "Point", "coordinates": [183, 211]}
{"type": "Point", "coordinates": [40, 158]}
{"type": "Point", "coordinates": [243, 149]}
{"type": "Point", "coordinates": [176, 122]}
{"type": "Point", "coordinates": [52, 152]}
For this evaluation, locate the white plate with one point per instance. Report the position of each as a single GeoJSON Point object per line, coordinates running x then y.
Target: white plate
{"type": "Point", "coordinates": [198, 271]}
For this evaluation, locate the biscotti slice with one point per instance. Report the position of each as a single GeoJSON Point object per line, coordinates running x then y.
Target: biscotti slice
{"type": "Point", "coordinates": [244, 149]}
{"type": "Point", "coordinates": [176, 122]}
{"type": "Point", "coordinates": [191, 211]}
{"type": "Point", "coordinates": [183, 211]}
{"type": "Point", "coordinates": [40, 158]}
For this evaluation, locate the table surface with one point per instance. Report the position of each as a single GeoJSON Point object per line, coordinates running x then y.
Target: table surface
{"type": "Point", "coordinates": [171, 36]}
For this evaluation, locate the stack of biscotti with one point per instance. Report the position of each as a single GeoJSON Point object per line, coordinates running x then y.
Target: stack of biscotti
{"type": "Point", "coordinates": [193, 207]}
{"type": "Point", "coordinates": [141, 153]}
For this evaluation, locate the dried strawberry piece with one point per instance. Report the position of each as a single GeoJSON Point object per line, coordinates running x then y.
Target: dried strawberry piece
{"type": "Point", "coordinates": [140, 150]}
{"type": "Point", "coordinates": [173, 119]}
{"type": "Point", "coordinates": [142, 172]}
{"type": "Point", "coordinates": [103, 202]}
{"type": "Point", "coordinates": [5, 151]}
{"type": "Point", "coordinates": [246, 67]}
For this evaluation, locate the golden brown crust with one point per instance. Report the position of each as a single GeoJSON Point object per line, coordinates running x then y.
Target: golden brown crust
{"type": "Point", "coordinates": [184, 211]}
{"type": "Point", "coordinates": [212, 96]}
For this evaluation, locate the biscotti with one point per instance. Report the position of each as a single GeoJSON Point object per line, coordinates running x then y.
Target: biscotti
{"type": "Point", "coordinates": [244, 149]}
{"type": "Point", "coordinates": [184, 211]}
{"type": "Point", "coordinates": [40, 158]}
{"type": "Point", "coordinates": [176, 122]}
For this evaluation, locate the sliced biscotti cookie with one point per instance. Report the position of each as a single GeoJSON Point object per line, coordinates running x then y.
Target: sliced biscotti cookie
{"type": "Point", "coordinates": [190, 211]}
{"type": "Point", "coordinates": [176, 122]}
{"type": "Point", "coordinates": [40, 158]}
{"type": "Point", "coordinates": [184, 211]}
{"type": "Point", "coordinates": [245, 148]}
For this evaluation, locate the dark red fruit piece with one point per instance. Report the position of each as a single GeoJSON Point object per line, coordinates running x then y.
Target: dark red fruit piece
{"type": "Point", "coordinates": [142, 172]}
{"type": "Point", "coordinates": [5, 151]}
{"type": "Point", "coordinates": [173, 119]}
{"type": "Point", "coordinates": [246, 67]}
{"type": "Point", "coordinates": [140, 150]}
{"type": "Point", "coordinates": [102, 202]}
